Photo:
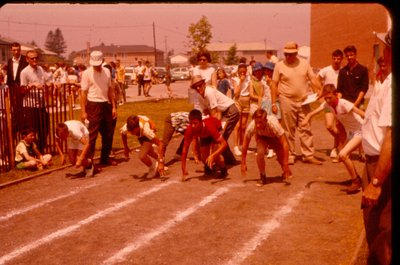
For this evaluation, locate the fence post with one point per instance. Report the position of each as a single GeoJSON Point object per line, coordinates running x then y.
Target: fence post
{"type": "Point", "coordinates": [9, 126]}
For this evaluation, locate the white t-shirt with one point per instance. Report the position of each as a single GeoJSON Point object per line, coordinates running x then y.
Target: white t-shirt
{"type": "Point", "coordinates": [351, 121]}
{"type": "Point", "coordinates": [273, 128]}
{"type": "Point", "coordinates": [97, 84]}
{"type": "Point", "coordinates": [378, 116]}
{"type": "Point", "coordinates": [204, 73]}
{"type": "Point", "coordinates": [76, 130]}
{"type": "Point", "coordinates": [213, 98]}
{"type": "Point", "coordinates": [329, 75]}
{"type": "Point", "coordinates": [244, 88]}
{"type": "Point", "coordinates": [145, 128]}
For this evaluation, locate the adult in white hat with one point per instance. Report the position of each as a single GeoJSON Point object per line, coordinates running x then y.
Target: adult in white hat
{"type": "Point", "coordinates": [98, 106]}
{"type": "Point", "coordinates": [290, 83]}
{"type": "Point", "coordinates": [377, 143]}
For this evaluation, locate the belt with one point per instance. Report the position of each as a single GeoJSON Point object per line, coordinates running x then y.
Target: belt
{"type": "Point", "coordinates": [371, 159]}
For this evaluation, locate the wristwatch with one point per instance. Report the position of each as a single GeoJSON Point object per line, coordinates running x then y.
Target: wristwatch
{"type": "Point", "coordinates": [375, 182]}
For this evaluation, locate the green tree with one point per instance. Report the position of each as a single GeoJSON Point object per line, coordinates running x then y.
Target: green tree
{"type": "Point", "coordinates": [199, 35]}
{"type": "Point", "coordinates": [232, 58]}
{"type": "Point", "coordinates": [55, 42]}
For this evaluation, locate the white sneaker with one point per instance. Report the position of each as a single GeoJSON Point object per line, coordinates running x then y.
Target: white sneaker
{"type": "Point", "coordinates": [153, 170]}
{"type": "Point", "coordinates": [334, 153]}
{"type": "Point", "coordinates": [236, 151]}
{"type": "Point", "coordinates": [271, 153]}
{"type": "Point", "coordinates": [291, 159]}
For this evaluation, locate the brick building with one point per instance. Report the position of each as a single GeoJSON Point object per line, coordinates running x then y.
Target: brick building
{"type": "Point", "coordinates": [334, 26]}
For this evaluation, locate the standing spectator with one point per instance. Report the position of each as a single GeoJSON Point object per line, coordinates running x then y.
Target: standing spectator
{"type": "Point", "coordinates": [377, 142]}
{"type": "Point", "coordinates": [271, 57]}
{"type": "Point", "coordinates": [241, 88]}
{"type": "Point", "coordinates": [207, 72]}
{"type": "Point", "coordinates": [33, 80]}
{"type": "Point", "coordinates": [353, 79]}
{"type": "Point", "coordinates": [147, 78]}
{"type": "Point", "coordinates": [218, 105]}
{"type": "Point", "coordinates": [14, 67]}
{"type": "Point", "coordinates": [98, 106]}
{"type": "Point", "coordinates": [290, 84]}
{"type": "Point", "coordinates": [329, 75]}
{"type": "Point", "coordinates": [353, 82]}
{"type": "Point", "coordinates": [269, 134]}
{"type": "Point", "coordinates": [223, 83]}
{"type": "Point", "coordinates": [139, 69]}
{"type": "Point", "coordinates": [120, 77]}
{"type": "Point", "coordinates": [168, 79]}
{"type": "Point", "coordinates": [117, 88]}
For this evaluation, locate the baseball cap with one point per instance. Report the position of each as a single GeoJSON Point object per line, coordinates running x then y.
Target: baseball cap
{"type": "Point", "coordinates": [290, 47]}
{"type": "Point", "coordinates": [269, 66]}
{"type": "Point", "coordinates": [96, 58]}
{"type": "Point", "coordinates": [257, 66]}
{"type": "Point", "coordinates": [197, 80]}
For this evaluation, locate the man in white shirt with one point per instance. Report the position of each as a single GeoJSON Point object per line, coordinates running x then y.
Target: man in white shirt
{"type": "Point", "coordinates": [33, 80]}
{"type": "Point", "coordinates": [377, 143]}
{"type": "Point", "coordinates": [220, 106]}
{"type": "Point", "coordinates": [98, 106]}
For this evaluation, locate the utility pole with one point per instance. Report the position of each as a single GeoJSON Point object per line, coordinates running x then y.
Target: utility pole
{"type": "Point", "coordinates": [155, 49]}
{"type": "Point", "coordinates": [166, 51]}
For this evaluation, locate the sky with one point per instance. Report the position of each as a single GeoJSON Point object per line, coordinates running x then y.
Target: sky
{"type": "Point", "coordinates": [132, 24]}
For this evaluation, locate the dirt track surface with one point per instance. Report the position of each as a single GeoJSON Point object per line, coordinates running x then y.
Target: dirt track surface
{"type": "Point", "coordinates": [121, 217]}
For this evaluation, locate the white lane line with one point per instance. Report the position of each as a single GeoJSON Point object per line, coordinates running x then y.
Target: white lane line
{"type": "Point", "coordinates": [266, 229]}
{"type": "Point", "coordinates": [42, 203]}
{"type": "Point", "coordinates": [179, 217]}
{"type": "Point", "coordinates": [65, 231]}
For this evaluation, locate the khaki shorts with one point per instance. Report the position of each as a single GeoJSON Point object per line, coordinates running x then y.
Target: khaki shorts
{"type": "Point", "coordinates": [243, 104]}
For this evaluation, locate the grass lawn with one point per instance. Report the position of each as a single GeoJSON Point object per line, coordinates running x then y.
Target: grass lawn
{"type": "Point", "coordinates": [155, 110]}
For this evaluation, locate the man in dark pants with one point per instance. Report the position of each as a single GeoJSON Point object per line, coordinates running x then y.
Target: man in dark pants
{"type": "Point", "coordinates": [98, 106]}
{"type": "Point", "coordinates": [14, 67]}
{"type": "Point", "coordinates": [220, 106]}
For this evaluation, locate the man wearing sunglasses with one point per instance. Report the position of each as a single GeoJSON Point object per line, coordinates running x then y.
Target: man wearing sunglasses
{"type": "Point", "coordinates": [33, 80]}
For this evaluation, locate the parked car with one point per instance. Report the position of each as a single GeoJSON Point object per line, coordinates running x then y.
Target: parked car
{"type": "Point", "coordinates": [159, 77]}
{"type": "Point", "coordinates": [130, 75]}
{"type": "Point", "coordinates": [180, 73]}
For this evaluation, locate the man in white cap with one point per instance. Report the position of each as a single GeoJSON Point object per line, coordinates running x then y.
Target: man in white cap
{"type": "Point", "coordinates": [290, 81]}
{"type": "Point", "coordinates": [98, 106]}
{"type": "Point", "coordinates": [377, 143]}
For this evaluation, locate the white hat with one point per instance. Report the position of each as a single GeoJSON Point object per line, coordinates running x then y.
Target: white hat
{"type": "Point", "coordinates": [96, 58]}
{"type": "Point", "coordinates": [290, 47]}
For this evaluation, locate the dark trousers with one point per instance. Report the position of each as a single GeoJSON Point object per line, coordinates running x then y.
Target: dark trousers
{"type": "Point", "coordinates": [140, 84]}
{"type": "Point", "coordinates": [378, 219]}
{"type": "Point", "coordinates": [40, 120]}
{"type": "Point", "coordinates": [231, 116]}
{"type": "Point", "coordinates": [168, 133]}
{"type": "Point", "coordinates": [100, 119]}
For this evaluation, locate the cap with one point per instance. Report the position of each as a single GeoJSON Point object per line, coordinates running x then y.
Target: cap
{"type": "Point", "coordinates": [269, 66]}
{"type": "Point", "coordinates": [257, 66]}
{"type": "Point", "coordinates": [290, 47]}
{"type": "Point", "coordinates": [197, 80]}
{"type": "Point", "coordinates": [96, 58]}
{"type": "Point", "coordinates": [385, 38]}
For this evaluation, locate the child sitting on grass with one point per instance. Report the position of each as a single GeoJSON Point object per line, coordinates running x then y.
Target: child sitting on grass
{"type": "Point", "coordinates": [144, 129]}
{"type": "Point", "coordinates": [27, 155]}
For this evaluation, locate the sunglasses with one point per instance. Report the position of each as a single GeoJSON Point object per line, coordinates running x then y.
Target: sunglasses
{"type": "Point", "coordinates": [202, 60]}
{"type": "Point", "coordinates": [33, 58]}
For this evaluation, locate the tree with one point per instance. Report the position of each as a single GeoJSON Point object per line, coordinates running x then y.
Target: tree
{"type": "Point", "coordinates": [231, 58]}
{"type": "Point", "coordinates": [199, 35]}
{"type": "Point", "coordinates": [55, 42]}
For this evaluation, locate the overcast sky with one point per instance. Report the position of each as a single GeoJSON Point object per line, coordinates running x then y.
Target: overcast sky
{"type": "Point", "coordinates": [124, 24]}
